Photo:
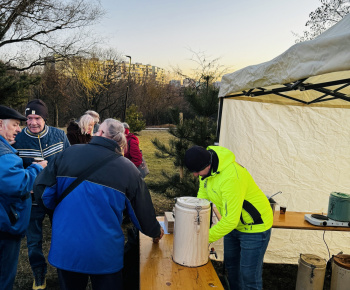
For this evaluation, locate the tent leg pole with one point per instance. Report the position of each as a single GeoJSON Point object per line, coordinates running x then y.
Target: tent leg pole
{"type": "Point", "coordinates": [221, 103]}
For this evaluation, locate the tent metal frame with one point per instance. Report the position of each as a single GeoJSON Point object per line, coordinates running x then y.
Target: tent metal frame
{"type": "Point", "coordinates": [300, 85]}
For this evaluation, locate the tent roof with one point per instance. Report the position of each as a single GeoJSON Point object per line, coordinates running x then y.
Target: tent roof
{"type": "Point", "coordinates": [315, 73]}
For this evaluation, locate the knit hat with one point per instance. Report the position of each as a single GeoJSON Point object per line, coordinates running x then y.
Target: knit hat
{"type": "Point", "coordinates": [37, 107]}
{"type": "Point", "coordinates": [9, 113]}
{"type": "Point", "coordinates": [197, 158]}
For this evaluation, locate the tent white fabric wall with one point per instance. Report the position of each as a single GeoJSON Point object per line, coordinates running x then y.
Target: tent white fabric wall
{"type": "Point", "coordinates": [301, 150]}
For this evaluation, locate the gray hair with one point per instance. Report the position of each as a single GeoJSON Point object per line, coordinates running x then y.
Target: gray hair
{"type": "Point", "coordinates": [5, 121]}
{"type": "Point", "coordinates": [126, 125]}
{"type": "Point", "coordinates": [115, 131]}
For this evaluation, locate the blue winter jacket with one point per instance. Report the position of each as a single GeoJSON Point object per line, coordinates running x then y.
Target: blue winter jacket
{"type": "Point", "coordinates": [86, 230]}
{"type": "Point", "coordinates": [15, 186]}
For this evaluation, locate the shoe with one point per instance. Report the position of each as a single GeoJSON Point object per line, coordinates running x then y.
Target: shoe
{"type": "Point", "coordinates": [39, 282]}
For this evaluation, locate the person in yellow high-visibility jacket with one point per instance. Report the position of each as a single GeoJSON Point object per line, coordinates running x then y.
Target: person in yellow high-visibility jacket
{"type": "Point", "coordinates": [246, 213]}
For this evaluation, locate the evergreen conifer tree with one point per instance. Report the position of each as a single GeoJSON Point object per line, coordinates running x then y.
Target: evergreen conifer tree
{"type": "Point", "coordinates": [198, 130]}
{"type": "Point", "coordinates": [14, 86]}
{"type": "Point", "coordinates": [135, 119]}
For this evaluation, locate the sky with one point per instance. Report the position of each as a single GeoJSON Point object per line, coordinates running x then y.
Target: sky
{"type": "Point", "coordinates": [166, 33]}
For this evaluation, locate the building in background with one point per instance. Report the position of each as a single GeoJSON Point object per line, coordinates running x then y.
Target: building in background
{"type": "Point", "coordinates": [175, 83]}
{"type": "Point", "coordinates": [187, 82]}
{"type": "Point", "coordinates": [139, 72]}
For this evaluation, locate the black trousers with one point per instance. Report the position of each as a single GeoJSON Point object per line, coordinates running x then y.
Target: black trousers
{"type": "Point", "coordinates": [78, 281]}
{"type": "Point", "coordinates": [131, 270]}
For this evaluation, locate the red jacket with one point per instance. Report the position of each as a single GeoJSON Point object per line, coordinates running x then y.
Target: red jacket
{"type": "Point", "coordinates": [133, 150]}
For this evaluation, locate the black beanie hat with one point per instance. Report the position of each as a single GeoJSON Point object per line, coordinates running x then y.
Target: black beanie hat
{"type": "Point", "coordinates": [197, 158]}
{"type": "Point", "coordinates": [37, 107]}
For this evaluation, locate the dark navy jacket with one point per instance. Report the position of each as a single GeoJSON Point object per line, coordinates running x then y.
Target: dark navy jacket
{"type": "Point", "coordinates": [86, 230]}
{"type": "Point", "coordinates": [46, 144]}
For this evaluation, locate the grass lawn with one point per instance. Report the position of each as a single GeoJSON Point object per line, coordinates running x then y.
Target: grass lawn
{"type": "Point", "coordinates": [156, 165]}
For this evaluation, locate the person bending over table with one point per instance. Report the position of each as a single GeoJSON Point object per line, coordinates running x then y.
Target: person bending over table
{"type": "Point", "coordinates": [246, 212]}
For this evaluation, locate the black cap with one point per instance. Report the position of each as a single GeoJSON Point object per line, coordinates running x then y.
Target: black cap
{"type": "Point", "coordinates": [197, 158]}
{"type": "Point", "coordinates": [8, 113]}
{"type": "Point", "coordinates": [37, 107]}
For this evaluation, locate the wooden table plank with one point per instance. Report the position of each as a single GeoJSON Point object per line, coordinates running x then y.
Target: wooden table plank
{"type": "Point", "coordinates": [159, 271]}
{"type": "Point", "coordinates": [295, 220]}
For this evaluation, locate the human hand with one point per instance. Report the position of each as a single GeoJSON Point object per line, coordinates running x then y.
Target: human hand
{"type": "Point", "coordinates": [42, 163]}
{"type": "Point", "coordinates": [156, 240]}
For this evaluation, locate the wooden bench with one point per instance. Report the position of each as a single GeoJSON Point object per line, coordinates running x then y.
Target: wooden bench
{"type": "Point", "coordinates": [159, 271]}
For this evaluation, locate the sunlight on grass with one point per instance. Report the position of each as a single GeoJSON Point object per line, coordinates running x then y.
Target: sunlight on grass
{"type": "Point", "coordinates": [156, 165]}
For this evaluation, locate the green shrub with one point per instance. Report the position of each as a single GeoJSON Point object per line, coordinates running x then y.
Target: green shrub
{"type": "Point", "coordinates": [135, 119]}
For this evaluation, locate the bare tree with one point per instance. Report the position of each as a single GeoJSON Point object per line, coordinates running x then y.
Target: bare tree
{"type": "Point", "coordinates": [325, 16]}
{"type": "Point", "coordinates": [94, 79]}
{"type": "Point", "coordinates": [30, 30]}
{"type": "Point", "coordinates": [155, 99]}
{"type": "Point", "coordinates": [52, 90]}
{"type": "Point", "coordinates": [206, 68]}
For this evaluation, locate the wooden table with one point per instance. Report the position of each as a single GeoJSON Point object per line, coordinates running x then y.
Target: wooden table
{"type": "Point", "coordinates": [159, 271]}
{"type": "Point", "coordinates": [295, 220]}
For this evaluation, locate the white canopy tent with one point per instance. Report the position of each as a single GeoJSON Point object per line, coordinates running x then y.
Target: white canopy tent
{"type": "Point", "coordinates": [288, 123]}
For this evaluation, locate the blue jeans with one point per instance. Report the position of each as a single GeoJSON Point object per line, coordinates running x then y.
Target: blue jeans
{"type": "Point", "coordinates": [243, 256]}
{"type": "Point", "coordinates": [9, 252]}
{"type": "Point", "coordinates": [35, 240]}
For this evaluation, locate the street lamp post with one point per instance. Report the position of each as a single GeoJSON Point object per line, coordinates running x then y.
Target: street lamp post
{"type": "Point", "coordinates": [127, 89]}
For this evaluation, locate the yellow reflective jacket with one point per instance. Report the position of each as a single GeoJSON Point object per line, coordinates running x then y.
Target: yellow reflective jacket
{"type": "Point", "coordinates": [227, 188]}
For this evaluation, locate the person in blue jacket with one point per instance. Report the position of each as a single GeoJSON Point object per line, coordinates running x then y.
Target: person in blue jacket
{"type": "Point", "coordinates": [87, 238]}
{"type": "Point", "coordinates": [15, 202]}
{"type": "Point", "coordinates": [38, 140]}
